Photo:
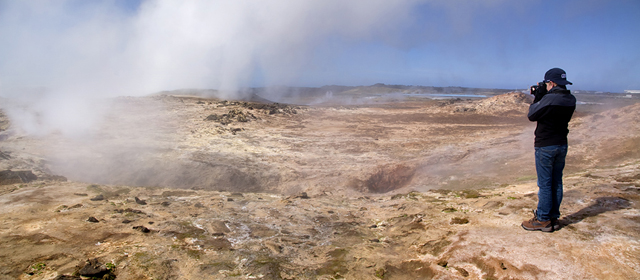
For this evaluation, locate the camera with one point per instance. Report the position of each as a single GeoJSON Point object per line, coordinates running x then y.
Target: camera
{"type": "Point", "coordinates": [539, 89]}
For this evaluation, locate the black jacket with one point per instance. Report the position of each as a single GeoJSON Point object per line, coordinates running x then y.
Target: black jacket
{"type": "Point", "coordinates": [552, 111]}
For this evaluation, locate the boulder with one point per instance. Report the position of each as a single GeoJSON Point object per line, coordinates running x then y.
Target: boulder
{"type": "Point", "coordinates": [93, 268]}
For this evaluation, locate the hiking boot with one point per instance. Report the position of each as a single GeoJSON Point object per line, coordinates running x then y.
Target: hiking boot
{"type": "Point", "coordinates": [556, 224]}
{"type": "Point", "coordinates": [534, 224]}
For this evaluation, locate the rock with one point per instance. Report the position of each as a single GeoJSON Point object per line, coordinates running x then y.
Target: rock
{"type": "Point", "coordinates": [93, 268]}
{"type": "Point", "coordinates": [126, 221]}
{"type": "Point", "coordinates": [142, 229]}
{"type": "Point", "coordinates": [449, 210]}
{"type": "Point", "coordinates": [67, 277]}
{"type": "Point", "coordinates": [234, 130]}
{"type": "Point", "coordinates": [140, 201]}
{"type": "Point", "coordinates": [128, 210]}
{"type": "Point", "coordinates": [8, 177]}
{"type": "Point", "coordinates": [233, 115]}
{"type": "Point", "coordinates": [93, 220]}
{"type": "Point", "coordinates": [97, 198]}
{"type": "Point", "coordinates": [459, 221]}
{"type": "Point", "coordinates": [165, 203]}
{"type": "Point", "coordinates": [80, 194]}
{"type": "Point", "coordinates": [462, 271]}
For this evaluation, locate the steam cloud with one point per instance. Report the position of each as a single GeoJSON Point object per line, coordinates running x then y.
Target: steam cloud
{"type": "Point", "coordinates": [69, 51]}
{"type": "Point", "coordinates": [174, 44]}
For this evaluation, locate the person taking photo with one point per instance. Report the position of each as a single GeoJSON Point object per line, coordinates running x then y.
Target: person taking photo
{"type": "Point", "coordinates": [552, 109]}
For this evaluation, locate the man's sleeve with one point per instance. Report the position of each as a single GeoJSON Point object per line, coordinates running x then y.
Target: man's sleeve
{"type": "Point", "coordinates": [539, 109]}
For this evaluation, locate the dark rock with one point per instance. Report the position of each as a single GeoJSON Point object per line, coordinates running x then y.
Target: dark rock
{"type": "Point", "coordinates": [80, 194]}
{"type": "Point", "coordinates": [128, 210]}
{"type": "Point", "coordinates": [98, 198]}
{"type": "Point", "coordinates": [198, 205]}
{"type": "Point", "coordinates": [67, 277]}
{"type": "Point", "coordinates": [93, 268]}
{"type": "Point", "coordinates": [8, 177]}
{"type": "Point", "coordinates": [142, 229]}
{"type": "Point", "coordinates": [229, 199]}
{"type": "Point", "coordinates": [93, 220]}
{"type": "Point", "coordinates": [140, 201]}
{"type": "Point", "coordinates": [233, 115]}
{"type": "Point", "coordinates": [165, 203]}
{"type": "Point", "coordinates": [459, 221]}
{"type": "Point", "coordinates": [125, 221]}
{"type": "Point", "coordinates": [303, 195]}
{"type": "Point", "coordinates": [462, 271]}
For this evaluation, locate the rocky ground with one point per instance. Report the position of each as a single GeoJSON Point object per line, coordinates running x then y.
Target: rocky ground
{"type": "Point", "coordinates": [185, 187]}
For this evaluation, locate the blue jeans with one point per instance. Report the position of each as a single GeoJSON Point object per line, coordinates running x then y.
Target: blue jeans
{"type": "Point", "coordinates": [549, 165]}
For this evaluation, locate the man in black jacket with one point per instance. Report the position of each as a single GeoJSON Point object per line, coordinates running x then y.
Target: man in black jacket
{"type": "Point", "coordinates": [552, 109]}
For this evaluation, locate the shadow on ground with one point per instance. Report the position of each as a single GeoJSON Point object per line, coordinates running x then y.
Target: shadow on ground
{"type": "Point", "coordinates": [601, 205]}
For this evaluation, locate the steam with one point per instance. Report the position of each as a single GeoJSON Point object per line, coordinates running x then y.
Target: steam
{"type": "Point", "coordinates": [75, 51]}
{"type": "Point", "coordinates": [97, 49]}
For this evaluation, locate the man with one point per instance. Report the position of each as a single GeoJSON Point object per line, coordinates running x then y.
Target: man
{"type": "Point", "coordinates": [552, 109]}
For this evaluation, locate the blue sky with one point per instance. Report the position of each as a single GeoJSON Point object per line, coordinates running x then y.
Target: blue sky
{"type": "Point", "coordinates": [136, 47]}
{"type": "Point", "coordinates": [509, 45]}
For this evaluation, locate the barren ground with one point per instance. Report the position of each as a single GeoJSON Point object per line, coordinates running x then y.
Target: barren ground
{"type": "Point", "coordinates": [387, 189]}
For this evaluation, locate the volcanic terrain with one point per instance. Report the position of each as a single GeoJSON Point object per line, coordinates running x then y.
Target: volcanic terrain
{"type": "Point", "coordinates": [180, 186]}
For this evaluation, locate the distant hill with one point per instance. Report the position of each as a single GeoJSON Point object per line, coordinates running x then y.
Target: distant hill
{"type": "Point", "coordinates": [336, 94]}
{"type": "Point", "coordinates": [374, 89]}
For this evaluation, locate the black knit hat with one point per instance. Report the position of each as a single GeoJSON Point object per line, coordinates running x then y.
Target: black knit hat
{"type": "Point", "coordinates": [557, 76]}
